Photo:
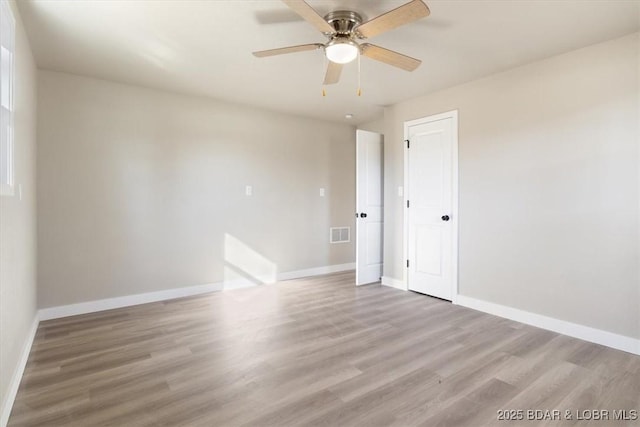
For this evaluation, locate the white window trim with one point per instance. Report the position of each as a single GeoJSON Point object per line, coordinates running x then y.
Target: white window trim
{"type": "Point", "coordinates": [8, 188]}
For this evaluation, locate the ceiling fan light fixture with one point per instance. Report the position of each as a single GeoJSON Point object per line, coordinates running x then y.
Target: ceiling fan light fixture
{"type": "Point", "coordinates": [342, 50]}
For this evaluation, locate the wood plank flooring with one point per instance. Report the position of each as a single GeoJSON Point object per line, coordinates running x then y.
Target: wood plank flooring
{"type": "Point", "coordinates": [314, 351]}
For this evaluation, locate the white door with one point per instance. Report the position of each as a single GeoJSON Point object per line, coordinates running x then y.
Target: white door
{"type": "Point", "coordinates": [431, 194]}
{"type": "Point", "coordinates": [368, 207]}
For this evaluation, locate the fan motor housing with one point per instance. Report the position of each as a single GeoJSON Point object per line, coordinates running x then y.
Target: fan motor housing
{"type": "Point", "coordinates": [343, 21]}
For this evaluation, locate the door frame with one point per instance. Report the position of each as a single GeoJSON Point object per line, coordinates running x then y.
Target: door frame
{"type": "Point", "coordinates": [454, 202]}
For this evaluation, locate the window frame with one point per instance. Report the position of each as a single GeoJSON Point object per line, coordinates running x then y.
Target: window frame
{"type": "Point", "coordinates": [7, 183]}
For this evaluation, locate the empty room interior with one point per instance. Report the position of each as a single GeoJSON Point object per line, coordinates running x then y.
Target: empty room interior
{"type": "Point", "coordinates": [320, 212]}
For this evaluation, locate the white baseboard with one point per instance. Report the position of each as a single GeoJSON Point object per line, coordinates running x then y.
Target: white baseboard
{"type": "Point", "coordinates": [317, 271]}
{"type": "Point", "coordinates": [129, 300]}
{"type": "Point", "coordinates": [7, 405]}
{"type": "Point", "coordinates": [393, 283]}
{"type": "Point", "coordinates": [598, 336]}
{"type": "Point", "coordinates": [125, 301]}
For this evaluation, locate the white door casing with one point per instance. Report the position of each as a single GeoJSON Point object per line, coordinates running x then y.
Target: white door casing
{"type": "Point", "coordinates": [369, 207]}
{"type": "Point", "coordinates": [431, 194]}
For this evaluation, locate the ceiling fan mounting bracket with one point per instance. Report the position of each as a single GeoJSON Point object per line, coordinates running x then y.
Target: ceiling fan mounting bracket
{"type": "Point", "coordinates": [343, 21]}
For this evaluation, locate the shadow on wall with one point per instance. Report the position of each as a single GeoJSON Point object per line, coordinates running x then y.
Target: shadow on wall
{"type": "Point", "coordinates": [244, 267]}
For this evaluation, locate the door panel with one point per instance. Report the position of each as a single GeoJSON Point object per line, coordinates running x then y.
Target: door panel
{"type": "Point", "coordinates": [368, 202]}
{"type": "Point", "coordinates": [374, 244]}
{"type": "Point", "coordinates": [429, 250]}
{"type": "Point", "coordinates": [429, 191]}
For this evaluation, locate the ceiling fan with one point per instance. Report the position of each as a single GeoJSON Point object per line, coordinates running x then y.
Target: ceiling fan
{"type": "Point", "coordinates": [344, 27]}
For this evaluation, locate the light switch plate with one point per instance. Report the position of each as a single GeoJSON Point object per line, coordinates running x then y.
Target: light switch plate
{"type": "Point", "coordinates": [322, 192]}
{"type": "Point", "coordinates": [248, 190]}
{"type": "Point", "coordinates": [400, 191]}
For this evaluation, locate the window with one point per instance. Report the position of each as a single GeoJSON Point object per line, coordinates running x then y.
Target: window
{"type": "Point", "coordinates": [7, 77]}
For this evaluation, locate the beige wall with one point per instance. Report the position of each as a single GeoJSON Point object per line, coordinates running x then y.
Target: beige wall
{"type": "Point", "coordinates": [17, 223]}
{"type": "Point", "coordinates": [638, 142]}
{"type": "Point", "coordinates": [141, 190]}
{"type": "Point", "coordinates": [373, 126]}
{"type": "Point", "coordinates": [549, 209]}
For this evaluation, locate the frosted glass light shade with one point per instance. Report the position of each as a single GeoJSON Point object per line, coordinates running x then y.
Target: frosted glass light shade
{"type": "Point", "coordinates": [341, 51]}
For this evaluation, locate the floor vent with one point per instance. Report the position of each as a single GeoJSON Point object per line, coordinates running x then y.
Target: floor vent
{"type": "Point", "coordinates": [339, 235]}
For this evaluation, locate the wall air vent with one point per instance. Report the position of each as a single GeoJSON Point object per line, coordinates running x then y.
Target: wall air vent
{"type": "Point", "coordinates": [339, 235]}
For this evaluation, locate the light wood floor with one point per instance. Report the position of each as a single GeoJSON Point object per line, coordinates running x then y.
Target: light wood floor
{"type": "Point", "coordinates": [313, 352]}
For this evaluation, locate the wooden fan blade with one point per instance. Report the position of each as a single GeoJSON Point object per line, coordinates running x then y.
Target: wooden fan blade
{"type": "Point", "coordinates": [389, 57]}
{"type": "Point", "coordinates": [332, 75]}
{"type": "Point", "coordinates": [404, 14]}
{"type": "Point", "coordinates": [290, 49]}
{"type": "Point", "coordinates": [310, 15]}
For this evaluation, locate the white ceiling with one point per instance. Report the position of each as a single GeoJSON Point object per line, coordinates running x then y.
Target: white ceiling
{"type": "Point", "coordinates": [204, 47]}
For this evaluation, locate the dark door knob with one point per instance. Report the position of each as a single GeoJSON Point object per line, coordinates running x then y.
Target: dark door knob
{"type": "Point", "coordinates": [363, 215]}
{"type": "Point", "coordinates": [445, 217]}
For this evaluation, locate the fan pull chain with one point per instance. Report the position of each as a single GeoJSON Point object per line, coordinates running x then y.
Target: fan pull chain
{"type": "Point", "coordinates": [359, 86]}
{"type": "Point", "coordinates": [325, 63]}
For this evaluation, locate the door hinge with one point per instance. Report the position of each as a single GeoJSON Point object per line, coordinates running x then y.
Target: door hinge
{"type": "Point", "coordinates": [407, 263]}
{"type": "Point", "coordinates": [407, 203]}
{"type": "Point", "coordinates": [407, 141]}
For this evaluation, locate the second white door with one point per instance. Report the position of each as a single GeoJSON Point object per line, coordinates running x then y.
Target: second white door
{"type": "Point", "coordinates": [368, 207]}
{"type": "Point", "coordinates": [430, 196]}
